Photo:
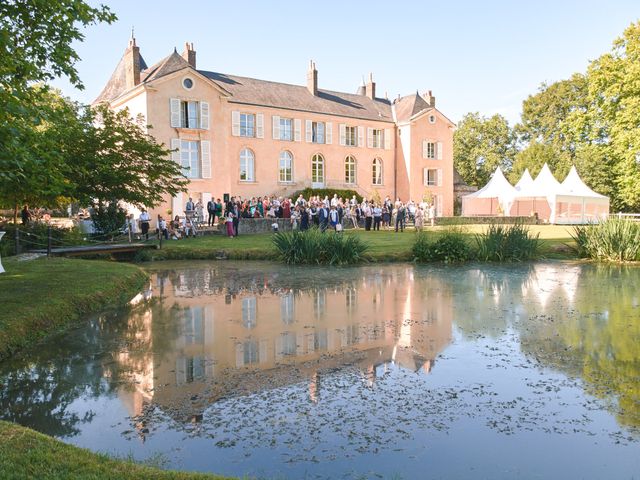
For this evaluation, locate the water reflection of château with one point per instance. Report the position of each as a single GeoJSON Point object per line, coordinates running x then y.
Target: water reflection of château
{"type": "Point", "coordinates": [239, 336]}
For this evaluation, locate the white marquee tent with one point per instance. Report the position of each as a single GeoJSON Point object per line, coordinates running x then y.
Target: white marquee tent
{"type": "Point", "coordinates": [536, 197]}
{"type": "Point", "coordinates": [491, 200]}
{"type": "Point", "coordinates": [575, 202]}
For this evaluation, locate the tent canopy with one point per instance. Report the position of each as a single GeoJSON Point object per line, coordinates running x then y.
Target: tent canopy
{"type": "Point", "coordinates": [492, 199]}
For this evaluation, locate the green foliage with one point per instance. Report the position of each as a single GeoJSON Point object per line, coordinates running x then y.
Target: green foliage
{"type": "Point", "coordinates": [314, 247]}
{"type": "Point", "coordinates": [480, 145]}
{"type": "Point", "coordinates": [108, 219]}
{"type": "Point", "coordinates": [501, 243]}
{"type": "Point", "coordinates": [328, 192]}
{"type": "Point", "coordinates": [450, 247]}
{"type": "Point", "coordinates": [613, 240]}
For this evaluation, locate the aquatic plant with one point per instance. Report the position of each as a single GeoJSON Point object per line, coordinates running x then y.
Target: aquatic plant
{"type": "Point", "coordinates": [315, 247]}
{"type": "Point", "coordinates": [507, 243]}
{"type": "Point", "coordinates": [613, 240]}
{"type": "Point", "coordinates": [450, 247]}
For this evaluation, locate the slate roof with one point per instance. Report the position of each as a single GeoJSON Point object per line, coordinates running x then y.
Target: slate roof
{"type": "Point", "coordinates": [251, 91]}
{"type": "Point", "coordinates": [407, 107]}
{"type": "Point", "coordinates": [117, 84]}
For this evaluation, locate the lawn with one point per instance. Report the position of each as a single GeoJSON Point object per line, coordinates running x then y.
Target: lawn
{"type": "Point", "coordinates": [384, 245]}
{"type": "Point", "coordinates": [39, 297]}
{"type": "Point", "coordinates": [26, 454]}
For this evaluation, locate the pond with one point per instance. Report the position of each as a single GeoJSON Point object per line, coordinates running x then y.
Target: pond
{"type": "Point", "coordinates": [383, 371]}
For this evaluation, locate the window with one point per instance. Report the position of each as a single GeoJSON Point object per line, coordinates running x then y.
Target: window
{"type": "Point", "coordinates": [376, 171]}
{"type": "Point", "coordinates": [189, 158]}
{"type": "Point", "coordinates": [247, 165]}
{"type": "Point", "coordinates": [378, 138]}
{"type": "Point", "coordinates": [431, 150]}
{"type": "Point", "coordinates": [431, 177]}
{"type": "Point", "coordinates": [317, 169]}
{"type": "Point", "coordinates": [250, 350]}
{"type": "Point", "coordinates": [286, 129]}
{"type": "Point", "coordinates": [249, 312]}
{"type": "Point", "coordinates": [351, 136]}
{"type": "Point", "coordinates": [189, 115]}
{"type": "Point", "coordinates": [247, 125]}
{"type": "Point", "coordinates": [286, 167]}
{"type": "Point", "coordinates": [287, 308]}
{"type": "Point", "coordinates": [187, 83]}
{"type": "Point", "coordinates": [193, 326]}
{"type": "Point", "coordinates": [432, 119]}
{"type": "Point", "coordinates": [317, 132]}
{"type": "Point", "coordinates": [349, 170]}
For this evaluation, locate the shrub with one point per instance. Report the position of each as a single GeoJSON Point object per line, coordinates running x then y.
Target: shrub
{"type": "Point", "coordinates": [613, 240]}
{"type": "Point", "coordinates": [450, 247]}
{"type": "Point", "coordinates": [507, 243]}
{"type": "Point", "coordinates": [314, 247]}
{"type": "Point", "coordinates": [329, 192]}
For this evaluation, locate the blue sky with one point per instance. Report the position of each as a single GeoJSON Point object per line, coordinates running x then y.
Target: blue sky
{"type": "Point", "coordinates": [475, 56]}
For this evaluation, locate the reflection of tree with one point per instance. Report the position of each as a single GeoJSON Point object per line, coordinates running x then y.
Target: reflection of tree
{"type": "Point", "coordinates": [492, 294]}
{"type": "Point", "coordinates": [38, 391]}
{"type": "Point", "coordinates": [600, 341]}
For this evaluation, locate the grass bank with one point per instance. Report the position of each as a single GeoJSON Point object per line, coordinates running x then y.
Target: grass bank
{"type": "Point", "coordinates": [43, 296]}
{"type": "Point", "coordinates": [384, 246]}
{"type": "Point", "coordinates": [25, 453]}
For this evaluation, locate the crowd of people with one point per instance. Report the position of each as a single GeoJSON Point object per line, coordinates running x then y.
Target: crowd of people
{"type": "Point", "coordinates": [324, 213]}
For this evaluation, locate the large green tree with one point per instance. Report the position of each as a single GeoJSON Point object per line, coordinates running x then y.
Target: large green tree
{"type": "Point", "coordinates": [480, 145]}
{"type": "Point", "coordinates": [614, 87]}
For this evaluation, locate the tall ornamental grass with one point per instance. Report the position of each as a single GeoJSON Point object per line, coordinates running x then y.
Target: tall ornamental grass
{"type": "Point", "coordinates": [507, 243]}
{"type": "Point", "coordinates": [312, 247]}
{"type": "Point", "coordinates": [613, 240]}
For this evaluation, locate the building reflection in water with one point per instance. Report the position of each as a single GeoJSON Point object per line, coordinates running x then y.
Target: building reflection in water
{"type": "Point", "coordinates": [230, 328]}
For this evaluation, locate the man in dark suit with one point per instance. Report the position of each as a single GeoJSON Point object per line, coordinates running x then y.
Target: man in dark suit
{"type": "Point", "coordinates": [323, 217]}
{"type": "Point", "coordinates": [211, 210]}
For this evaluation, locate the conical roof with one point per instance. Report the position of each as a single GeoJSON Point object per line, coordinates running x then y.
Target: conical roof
{"type": "Point", "coordinates": [497, 186]}
{"type": "Point", "coordinates": [573, 185]}
{"type": "Point", "coordinates": [525, 181]}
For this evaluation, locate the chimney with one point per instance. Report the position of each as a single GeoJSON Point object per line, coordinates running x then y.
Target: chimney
{"type": "Point", "coordinates": [429, 98]}
{"type": "Point", "coordinates": [189, 54]}
{"type": "Point", "coordinates": [370, 88]}
{"type": "Point", "coordinates": [312, 79]}
{"type": "Point", "coordinates": [132, 63]}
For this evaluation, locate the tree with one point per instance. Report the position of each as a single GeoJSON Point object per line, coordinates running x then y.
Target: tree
{"type": "Point", "coordinates": [615, 91]}
{"type": "Point", "coordinates": [534, 156]}
{"type": "Point", "coordinates": [480, 145]}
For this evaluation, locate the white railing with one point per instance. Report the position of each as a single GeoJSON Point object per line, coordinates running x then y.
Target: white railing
{"type": "Point", "coordinates": [631, 216]}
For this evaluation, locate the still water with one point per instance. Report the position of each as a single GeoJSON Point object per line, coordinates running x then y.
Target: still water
{"type": "Point", "coordinates": [477, 371]}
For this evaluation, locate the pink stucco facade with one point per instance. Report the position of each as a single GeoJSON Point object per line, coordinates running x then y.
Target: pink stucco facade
{"type": "Point", "coordinates": [394, 139]}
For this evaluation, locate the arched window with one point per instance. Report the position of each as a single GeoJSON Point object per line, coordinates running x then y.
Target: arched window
{"type": "Point", "coordinates": [349, 170]}
{"type": "Point", "coordinates": [376, 170]}
{"type": "Point", "coordinates": [247, 165]}
{"type": "Point", "coordinates": [286, 167]}
{"type": "Point", "coordinates": [317, 169]}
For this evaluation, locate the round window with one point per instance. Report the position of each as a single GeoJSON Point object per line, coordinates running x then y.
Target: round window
{"type": "Point", "coordinates": [432, 119]}
{"type": "Point", "coordinates": [187, 83]}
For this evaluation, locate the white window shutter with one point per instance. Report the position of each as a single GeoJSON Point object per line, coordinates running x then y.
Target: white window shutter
{"type": "Point", "coordinates": [425, 153]}
{"type": "Point", "coordinates": [439, 206]}
{"type": "Point", "coordinates": [439, 151]}
{"type": "Point", "coordinates": [297, 127]}
{"type": "Point", "coordinates": [369, 137]}
{"type": "Point", "coordinates": [275, 131]}
{"type": "Point", "coordinates": [387, 139]}
{"type": "Point", "coordinates": [425, 177]}
{"type": "Point", "coordinates": [328, 134]}
{"type": "Point", "coordinates": [308, 131]}
{"type": "Point", "coordinates": [439, 177]}
{"type": "Point", "coordinates": [205, 146]}
{"type": "Point", "coordinates": [175, 112]}
{"type": "Point", "coordinates": [361, 136]}
{"type": "Point", "coordinates": [204, 115]}
{"type": "Point", "coordinates": [343, 134]}
{"type": "Point", "coordinates": [239, 355]}
{"type": "Point", "coordinates": [235, 123]}
{"type": "Point", "coordinates": [259, 125]}
{"type": "Point", "coordinates": [175, 153]}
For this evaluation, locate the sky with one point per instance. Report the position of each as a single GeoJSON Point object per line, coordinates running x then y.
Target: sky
{"type": "Point", "coordinates": [476, 56]}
